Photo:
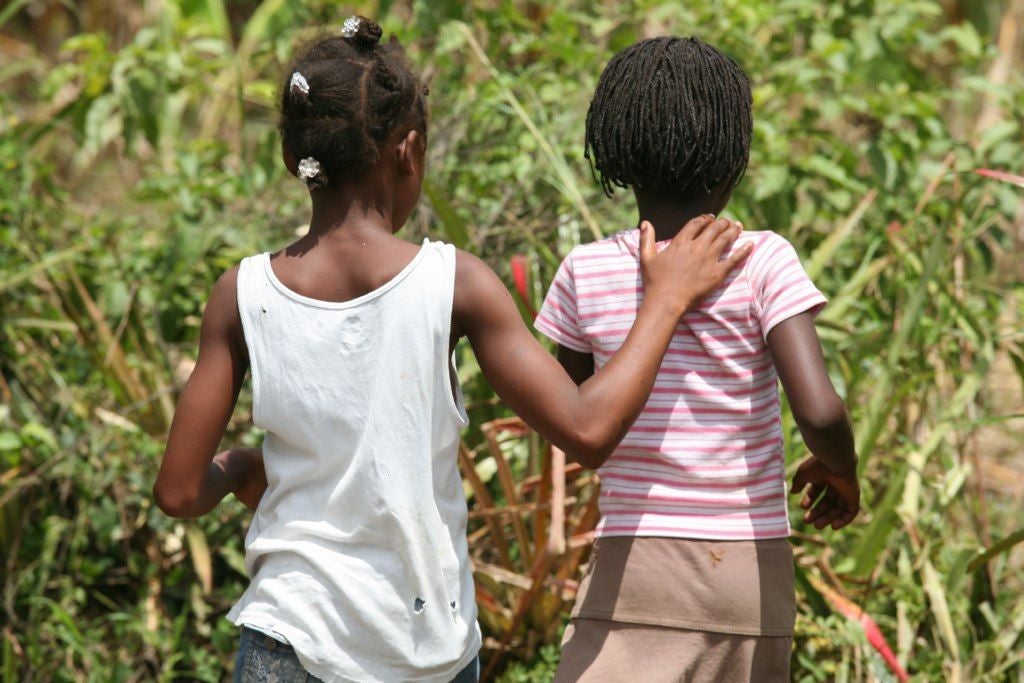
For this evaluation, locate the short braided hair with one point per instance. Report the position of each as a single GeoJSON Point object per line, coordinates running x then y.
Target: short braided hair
{"type": "Point", "coordinates": [670, 115]}
{"type": "Point", "coordinates": [354, 93]}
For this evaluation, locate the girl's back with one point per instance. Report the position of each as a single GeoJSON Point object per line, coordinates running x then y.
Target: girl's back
{"type": "Point", "coordinates": [357, 552]}
{"type": "Point", "coordinates": [692, 576]}
{"type": "Point", "coordinates": [704, 459]}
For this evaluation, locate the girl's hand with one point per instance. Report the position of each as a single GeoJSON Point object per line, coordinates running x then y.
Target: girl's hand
{"type": "Point", "coordinates": [244, 467]}
{"type": "Point", "coordinates": [841, 501]}
{"type": "Point", "coordinates": [691, 266]}
{"type": "Point", "coordinates": [590, 420]}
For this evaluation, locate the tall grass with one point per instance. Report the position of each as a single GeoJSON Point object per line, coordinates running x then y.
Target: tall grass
{"type": "Point", "coordinates": [140, 161]}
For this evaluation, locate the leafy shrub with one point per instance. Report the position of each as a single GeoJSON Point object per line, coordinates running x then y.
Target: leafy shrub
{"type": "Point", "coordinates": [139, 163]}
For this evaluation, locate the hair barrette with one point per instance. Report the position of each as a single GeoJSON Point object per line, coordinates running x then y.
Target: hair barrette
{"type": "Point", "coordinates": [309, 168]}
{"type": "Point", "coordinates": [299, 83]}
{"type": "Point", "coordinates": [350, 27]}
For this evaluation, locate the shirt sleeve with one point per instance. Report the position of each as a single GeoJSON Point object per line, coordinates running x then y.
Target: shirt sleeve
{"type": "Point", "coordinates": [558, 319]}
{"type": "Point", "coordinates": [779, 284]}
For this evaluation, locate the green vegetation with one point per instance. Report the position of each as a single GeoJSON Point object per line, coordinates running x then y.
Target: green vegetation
{"type": "Point", "coordinates": [139, 160]}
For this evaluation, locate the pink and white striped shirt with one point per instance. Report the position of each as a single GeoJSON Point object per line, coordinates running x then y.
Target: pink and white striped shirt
{"type": "Point", "coordinates": [704, 459]}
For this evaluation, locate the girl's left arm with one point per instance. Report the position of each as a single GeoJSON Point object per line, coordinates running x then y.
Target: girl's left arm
{"type": "Point", "coordinates": [833, 496]}
{"type": "Point", "coordinates": [192, 480]}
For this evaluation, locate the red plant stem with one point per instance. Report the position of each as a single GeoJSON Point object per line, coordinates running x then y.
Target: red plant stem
{"type": "Point", "coordinates": [853, 612]}
{"type": "Point", "coordinates": [520, 267]}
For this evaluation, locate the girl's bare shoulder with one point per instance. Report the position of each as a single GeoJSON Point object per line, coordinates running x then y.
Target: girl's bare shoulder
{"type": "Point", "coordinates": [477, 291]}
{"type": "Point", "coordinates": [221, 314]}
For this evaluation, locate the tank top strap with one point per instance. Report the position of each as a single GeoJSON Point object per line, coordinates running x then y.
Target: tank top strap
{"type": "Point", "coordinates": [438, 294]}
{"type": "Point", "coordinates": [435, 283]}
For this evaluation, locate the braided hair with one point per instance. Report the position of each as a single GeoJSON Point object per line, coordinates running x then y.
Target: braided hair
{"type": "Point", "coordinates": [670, 115]}
{"type": "Point", "coordinates": [344, 96]}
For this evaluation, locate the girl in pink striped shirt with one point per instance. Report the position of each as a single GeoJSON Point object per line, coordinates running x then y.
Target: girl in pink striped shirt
{"type": "Point", "coordinates": [692, 575]}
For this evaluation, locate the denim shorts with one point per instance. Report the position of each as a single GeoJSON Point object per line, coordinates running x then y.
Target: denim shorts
{"type": "Point", "coordinates": [262, 658]}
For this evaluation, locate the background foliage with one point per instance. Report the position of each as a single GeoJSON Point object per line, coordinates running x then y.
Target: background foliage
{"type": "Point", "coordinates": [139, 160]}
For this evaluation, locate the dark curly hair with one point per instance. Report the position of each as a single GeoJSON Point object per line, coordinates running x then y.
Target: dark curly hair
{"type": "Point", "coordinates": [350, 95]}
{"type": "Point", "coordinates": [670, 115]}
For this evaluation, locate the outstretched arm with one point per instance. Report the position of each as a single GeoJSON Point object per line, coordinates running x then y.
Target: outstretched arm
{"type": "Point", "coordinates": [590, 420]}
{"type": "Point", "coordinates": [831, 472]}
{"type": "Point", "coordinates": [191, 479]}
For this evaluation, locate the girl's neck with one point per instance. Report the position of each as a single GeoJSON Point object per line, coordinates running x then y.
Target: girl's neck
{"type": "Point", "coordinates": [668, 215]}
{"type": "Point", "coordinates": [348, 211]}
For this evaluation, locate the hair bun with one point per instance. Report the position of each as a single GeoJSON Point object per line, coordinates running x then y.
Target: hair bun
{"type": "Point", "coordinates": [361, 31]}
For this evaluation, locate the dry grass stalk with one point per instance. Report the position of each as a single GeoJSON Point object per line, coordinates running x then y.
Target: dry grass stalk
{"type": "Point", "coordinates": [549, 517]}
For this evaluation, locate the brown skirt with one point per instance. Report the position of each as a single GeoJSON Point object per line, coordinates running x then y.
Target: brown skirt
{"type": "Point", "coordinates": [669, 609]}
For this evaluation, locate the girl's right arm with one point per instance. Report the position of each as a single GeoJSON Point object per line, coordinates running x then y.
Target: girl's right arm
{"type": "Point", "coordinates": [590, 420]}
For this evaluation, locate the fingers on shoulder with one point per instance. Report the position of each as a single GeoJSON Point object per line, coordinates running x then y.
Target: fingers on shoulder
{"type": "Point", "coordinates": [739, 254]}
{"type": "Point", "coordinates": [695, 227]}
{"type": "Point", "coordinates": [646, 240]}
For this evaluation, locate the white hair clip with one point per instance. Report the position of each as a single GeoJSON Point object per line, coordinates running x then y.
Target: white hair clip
{"type": "Point", "coordinates": [299, 82]}
{"type": "Point", "coordinates": [309, 168]}
{"type": "Point", "coordinates": [350, 27]}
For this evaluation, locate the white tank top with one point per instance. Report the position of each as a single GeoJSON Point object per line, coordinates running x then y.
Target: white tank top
{"type": "Point", "coordinates": [357, 552]}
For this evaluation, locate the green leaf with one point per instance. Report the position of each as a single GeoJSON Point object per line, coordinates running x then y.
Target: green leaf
{"type": "Point", "coordinates": [965, 37]}
{"type": "Point", "coordinates": [770, 180]}
{"type": "Point", "coordinates": [103, 123]}
{"type": "Point", "coordinates": [940, 608]}
{"type": "Point", "coordinates": [9, 441]}
{"type": "Point", "coordinates": [827, 250]}
{"type": "Point", "coordinates": [996, 549]}
{"type": "Point", "coordinates": [834, 172]}
{"type": "Point", "coordinates": [55, 258]}
{"type": "Point", "coordinates": [33, 431]}
{"type": "Point", "coordinates": [456, 230]}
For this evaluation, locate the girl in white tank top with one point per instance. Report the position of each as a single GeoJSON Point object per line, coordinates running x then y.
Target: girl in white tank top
{"type": "Point", "coordinates": [357, 549]}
